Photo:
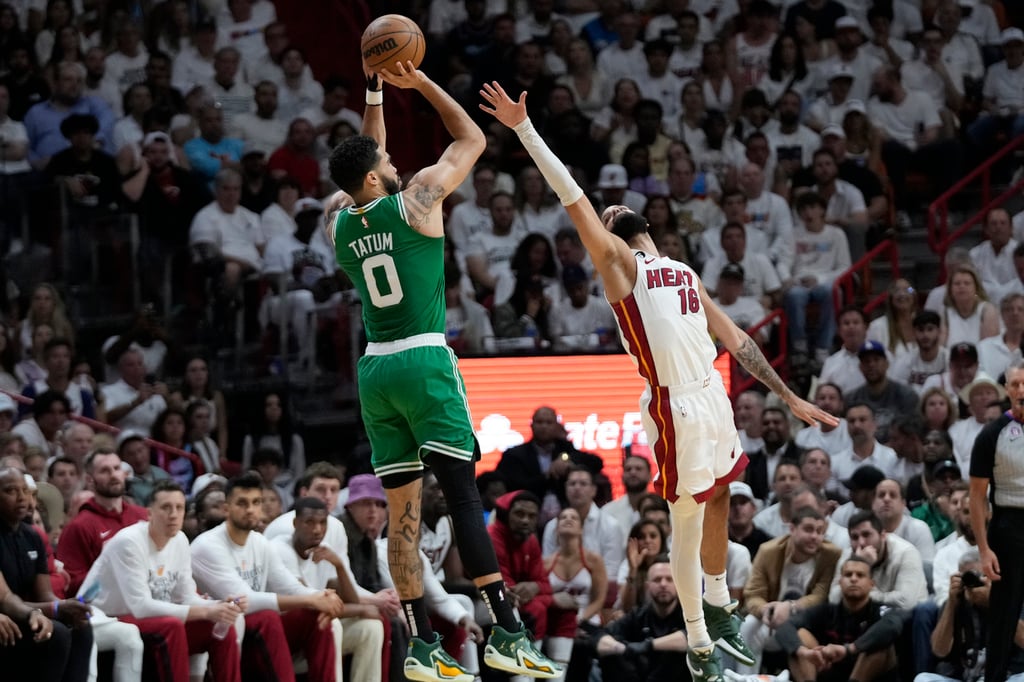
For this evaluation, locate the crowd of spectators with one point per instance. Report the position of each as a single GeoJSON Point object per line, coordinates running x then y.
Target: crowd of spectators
{"type": "Point", "coordinates": [769, 146]}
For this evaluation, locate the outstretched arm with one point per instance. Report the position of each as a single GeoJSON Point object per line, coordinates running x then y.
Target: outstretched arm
{"type": "Point", "coordinates": [430, 186]}
{"type": "Point", "coordinates": [746, 352]}
{"type": "Point", "coordinates": [373, 114]}
{"type": "Point", "coordinates": [611, 255]}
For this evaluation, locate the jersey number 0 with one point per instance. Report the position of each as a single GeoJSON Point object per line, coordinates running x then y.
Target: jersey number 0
{"type": "Point", "coordinates": [374, 265]}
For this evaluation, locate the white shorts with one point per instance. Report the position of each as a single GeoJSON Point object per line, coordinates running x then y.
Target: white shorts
{"type": "Point", "coordinates": [690, 429]}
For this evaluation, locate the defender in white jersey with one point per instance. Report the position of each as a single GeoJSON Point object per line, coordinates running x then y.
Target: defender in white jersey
{"type": "Point", "coordinates": [666, 318]}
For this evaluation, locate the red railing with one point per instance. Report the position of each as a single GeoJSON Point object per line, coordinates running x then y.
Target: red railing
{"type": "Point", "coordinates": [939, 236]}
{"type": "Point", "coordinates": [843, 287]}
{"type": "Point", "coordinates": [741, 381]}
{"type": "Point", "coordinates": [112, 430]}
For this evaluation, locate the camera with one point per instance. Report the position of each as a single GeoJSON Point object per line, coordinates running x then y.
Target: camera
{"type": "Point", "coordinates": [971, 579]}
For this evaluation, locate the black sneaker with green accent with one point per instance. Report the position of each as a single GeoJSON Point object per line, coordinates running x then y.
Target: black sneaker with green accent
{"type": "Point", "coordinates": [514, 652]}
{"type": "Point", "coordinates": [430, 663]}
{"type": "Point", "coordinates": [704, 665]}
{"type": "Point", "coordinates": [724, 628]}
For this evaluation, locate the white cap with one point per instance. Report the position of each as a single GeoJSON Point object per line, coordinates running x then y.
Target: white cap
{"type": "Point", "coordinates": [846, 21]}
{"type": "Point", "coordinates": [7, 404]}
{"type": "Point", "coordinates": [833, 130]}
{"type": "Point", "coordinates": [741, 489]}
{"type": "Point", "coordinates": [1011, 35]}
{"type": "Point", "coordinates": [202, 482]}
{"type": "Point", "coordinates": [127, 435]}
{"type": "Point", "coordinates": [840, 70]}
{"type": "Point", "coordinates": [856, 105]}
{"type": "Point", "coordinates": [613, 176]}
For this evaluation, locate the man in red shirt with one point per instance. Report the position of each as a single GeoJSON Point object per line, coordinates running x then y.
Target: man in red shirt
{"type": "Point", "coordinates": [99, 518]}
{"type": "Point", "coordinates": [296, 158]}
{"type": "Point", "coordinates": [514, 535]}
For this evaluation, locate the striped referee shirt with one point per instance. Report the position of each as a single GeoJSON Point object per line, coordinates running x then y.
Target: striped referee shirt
{"type": "Point", "coordinates": [998, 455]}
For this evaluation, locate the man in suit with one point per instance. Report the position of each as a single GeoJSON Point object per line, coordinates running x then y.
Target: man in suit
{"type": "Point", "coordinates": [542, 464]}
{"type": "Point", "coordinates": [778, 447]}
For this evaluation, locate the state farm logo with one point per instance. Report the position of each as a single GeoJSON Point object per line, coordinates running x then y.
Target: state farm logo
{"type": "Point", "coordinates": [496, 433]}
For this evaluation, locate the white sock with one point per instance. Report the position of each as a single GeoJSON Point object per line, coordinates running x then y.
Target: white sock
{"type": "Point", "coordinates": [716, 590]}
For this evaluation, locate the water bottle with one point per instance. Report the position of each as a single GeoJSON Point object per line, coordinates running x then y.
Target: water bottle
{"type": "Point", "coordinates": [220, 630]}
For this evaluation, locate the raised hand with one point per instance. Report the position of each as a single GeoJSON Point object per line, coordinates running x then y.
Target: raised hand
{"type": "Point", "coordinates": [405, 76]}
{"type": "Point", "coordinates": [502, 107]}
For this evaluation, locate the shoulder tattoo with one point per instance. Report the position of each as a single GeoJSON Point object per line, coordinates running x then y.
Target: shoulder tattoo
{"type": "Point", "coordinates": [420, 201]}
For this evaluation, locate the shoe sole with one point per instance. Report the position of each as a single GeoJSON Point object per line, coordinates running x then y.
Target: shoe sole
{"type": "Point", "coordinates": [499, 661]}
{"type": "Point", "coordinates": [744, 658]}
{"type": "Point", "coordinates": [416, 671]}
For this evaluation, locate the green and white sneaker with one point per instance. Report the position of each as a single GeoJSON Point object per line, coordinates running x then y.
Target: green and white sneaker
{"type": "Point", "coordinates": [514, 652]}
{"type": "Point", "coordinates": [724, 628]}
{"type": "Point", "coordinates": [430, 663]}
{"type": "Point", "coordinates": [704, 665]}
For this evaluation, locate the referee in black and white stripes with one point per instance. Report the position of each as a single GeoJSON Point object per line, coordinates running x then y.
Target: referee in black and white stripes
{"type": "Point", "coordinates": [997, 475]}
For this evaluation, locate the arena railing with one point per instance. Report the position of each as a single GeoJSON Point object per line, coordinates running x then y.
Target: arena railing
{"type": "Point", "coordinates": [741, 381]}
{"type": "Point", "coordinates": [99, 426]}
{"type": "Point", "coordinates": [859, 276]}
{"type": "Point", "coordinates": [940, 238]}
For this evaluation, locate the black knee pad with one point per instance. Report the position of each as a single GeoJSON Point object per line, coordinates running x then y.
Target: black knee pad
{"type": "Point", "coordinates": [397, 480]}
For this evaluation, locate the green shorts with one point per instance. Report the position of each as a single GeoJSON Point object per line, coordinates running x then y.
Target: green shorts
{"type": "Point", "coordinates": [412, 401]}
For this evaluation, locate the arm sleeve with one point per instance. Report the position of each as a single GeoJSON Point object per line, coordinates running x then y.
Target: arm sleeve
{"type": "Point", "coordinates": [553, 170]}
{"type": "Point", "coordinates": [215, 574]}
{"type": "Point", "coordinates": [882, 632]}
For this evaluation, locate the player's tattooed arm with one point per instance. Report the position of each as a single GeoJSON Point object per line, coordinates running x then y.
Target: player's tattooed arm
{"type": "Point", "coordinates": [420, 201]}
{"type": "Point", "coordinates": [754, 361]}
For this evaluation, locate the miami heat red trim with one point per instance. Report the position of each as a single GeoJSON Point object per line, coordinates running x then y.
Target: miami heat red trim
{"type": "Point", "coordinates": [660, 409]}
{"type": "Point", "coordinates": [632, 326]}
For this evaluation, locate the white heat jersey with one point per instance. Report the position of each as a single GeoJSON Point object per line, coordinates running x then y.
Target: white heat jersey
{"type": "Point", "coordinates": [436, 544]}
{"type": "Point", "coordinates": [663, 324]}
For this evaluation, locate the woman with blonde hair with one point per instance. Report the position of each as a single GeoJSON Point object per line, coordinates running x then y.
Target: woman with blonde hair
{"type": "Point", "coordinates": [46, 307]}
{"type": "Point", "coordinates": [968, 315]}
{"type": "Point", "coordinates": [938, 409]}
{"type": "Point", "coordinates": [895, 329]}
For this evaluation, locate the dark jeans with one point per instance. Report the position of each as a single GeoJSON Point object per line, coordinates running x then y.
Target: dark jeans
{"type": "Point", "coordinates": [1006, 538]}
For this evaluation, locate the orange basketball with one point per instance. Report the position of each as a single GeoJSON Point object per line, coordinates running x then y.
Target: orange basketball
{"type": "Point", "coordinates": [392, 38]}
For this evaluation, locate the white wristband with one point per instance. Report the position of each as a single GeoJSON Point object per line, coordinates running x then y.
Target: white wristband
{"type": "Point", "coordinates": [375, 98]}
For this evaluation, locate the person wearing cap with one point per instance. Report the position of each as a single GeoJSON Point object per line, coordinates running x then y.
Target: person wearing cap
{"type": "Point", "coordinates": [613, 188]}
{"type": "Point", "coordinates": [860, 63]}
{"type": "Point", "coordinates": [262, 129]}
{"type": "Point", "coordinates": [282, 616]}
{"type": "Point", "coordinates": [296, 271]}
{"type": "Point", "coordinates": [861, 486]}
{"type": "Point", "coordinates": [98, 519]}
{"type": "Point", "coordinates": [896, 565]}
{"type": "Point", "coordinates": [961, 370]}
{"type": "Point", "coordinates": [574, 318]}
{"type": "Point", "coordinates": [769, 597]}
{"type": "Point", "coordinates": [742, 509]}
{"type": "Point", "coordinates": [978, 395]}
{"type": "Point", "coordinates": [937, 511]}
{"type": "Point", "coordinates": [831, 107]}
{"type": "Point", "coordinates": [1003, 88]}
{"type": "Point", "coordinates": [886, 397]}
{"type": "Point", "coordinates": [962, 538]}
{"type": "Point", "coordinates": [8, 413]}
{"type": "Point", "coordinates": [744, 311]}
{"type": "Point", "coordinates": [43, 121]}
{"type": "Point", "coordinates": [822, 254]}
{"type": "Point", "coordinates": [861, 422]}
{"type": "Point", "coordinates": [930, 358]}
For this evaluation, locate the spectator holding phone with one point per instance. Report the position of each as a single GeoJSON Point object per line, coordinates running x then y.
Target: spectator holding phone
{"type": "Point", "coordinates": [136, 399]}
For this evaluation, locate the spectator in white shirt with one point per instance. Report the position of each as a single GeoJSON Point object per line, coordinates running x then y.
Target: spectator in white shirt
{"type": "Point", "coordinates": [194, 65]}
{"type": "Point", "coordinates": [884, 46]}
{"type": "Point", "coordinates": [624, 58]}
{"type": "Point", "coordinates": [770, 214]}
{"type": "Point", "coordinates": [845, 207]}
{"type": "Point", "coordinates": [472, 217]}
{"type": "Point", "coordinates": [298, 90]}
{"type": "Point", "coordinates": [979, 21]}
{"type": "Point", "coordinates": [822, 254]}
{"type": "Point", "coordinates": [489, 254]}
{"type": "Point", "coordinates": [232, 94]}
{"type": "Point", "coordinates": [828, 439]}
{"type": "Point", "coordinates": [792, 142]}
{"type": "Point", "coordinates": [977, 395]}
{"type": "Point", "coordinates": [910, 123]}
{"type": "Point", "coordinates": [929, 357]}
{"type": "Point", "coordinates": [861, 64]}
{"type": "Point", "coordinates": [242, 25]}
{"type": "Point", "coordinates": [1003, 92]}
{"type": "Point", "coordinates": [959, 49]}
{"type": "Point", "coordinates": [831, 108]}
{"type": "Point", "coordinates": [688, 52]}
{"type": "Point", "coordinates": [578, 319]}
{"type": "Point", "coordinates": [132, 401]}
{"type": "Point", "coordinates": [536, 25]}
{"type": "Point", "coordinates": [930, 73]}
{"type": "Point", "coordinates": [282, 615]}
{"type": "Point", "coordinates": [993, 258]}
{"type": "Point", "coordinates": [860, 420]}
{"type": "Point", "coordinates": [658, 83]}
{"type": "Point", "coordinates": [232, 232]}
{"type": "Point", "coordinates": [145, 578]}
{"type": "Point", "coordinates": [761, 281]}
{"type": "Point", "coordinates": [997, 352]}
{"type": "Point", "coordinates": [890, 506]}
{"type": "Point", "coordinates": [333, 108]}
{"type": "Point", "coordinates": [842, 368]}
{"type": "Point", "coordinates": [745, 311]}
{"type": "Point", "coordinates": [263, 130]}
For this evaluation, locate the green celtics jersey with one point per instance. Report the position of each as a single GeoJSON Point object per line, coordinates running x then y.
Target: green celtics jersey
{"type": "Point", "coordinates": [398, 272]}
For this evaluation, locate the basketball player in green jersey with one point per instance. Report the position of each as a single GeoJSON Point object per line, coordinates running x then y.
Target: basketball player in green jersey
{"type": "Point", "coordinates": [390, 242]}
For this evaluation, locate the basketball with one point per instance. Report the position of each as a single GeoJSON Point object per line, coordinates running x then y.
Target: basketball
{"type": "Point", "coordinates": [390, 39]}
